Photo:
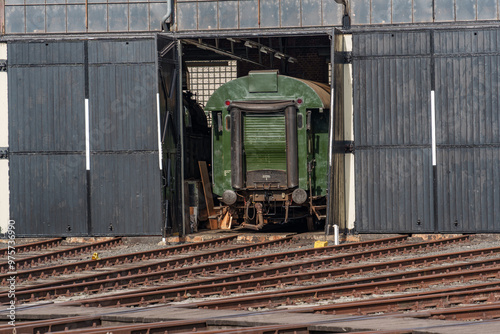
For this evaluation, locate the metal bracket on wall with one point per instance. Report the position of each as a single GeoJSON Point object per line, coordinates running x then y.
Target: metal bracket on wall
{"type": "Point", "coordinates": [3, 65]}
{"type": "Point", "coordinates": [343, 57]}
{"type": "Point", "coordinates": [4, 153]}
{"type": "Point", "coordinates": [349, 147]}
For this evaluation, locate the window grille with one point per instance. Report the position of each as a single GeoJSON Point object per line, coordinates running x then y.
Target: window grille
{"type": "Point", "coordinates": [206, 76]}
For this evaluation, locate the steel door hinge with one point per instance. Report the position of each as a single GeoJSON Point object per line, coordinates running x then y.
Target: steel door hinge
{"type": "Point", "coordinates": [349, 148]}
{"type": "Point", "coordinates": [4, 153]}
{"type": "Point", "coordinates": [343, 57]}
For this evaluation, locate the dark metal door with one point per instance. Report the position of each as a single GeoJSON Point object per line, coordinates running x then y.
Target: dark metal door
{"type": "Point", "coordinates": [86, 130]}
{"type": "Point", "coordinates": [467, 108]}
{"type": "Point", "coordinates": [125, 179]}
{"type": "Point", "coordinates": [427, 131]}
{"type": "Point", "coordinates": [392, 129]}
{"type": "Point", "coordinates": [48, 186]}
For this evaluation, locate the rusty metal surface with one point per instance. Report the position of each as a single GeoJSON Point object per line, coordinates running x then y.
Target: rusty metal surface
{"type": "Point", "coordinates": [385, 332]}
{"type": "Point", "coordinates": [331, 291]}
{"type": "Point", "coordinates": [442, 298]}
{"type": "Point", "coordinates": [34, 246]}
{"type": "Point", "coordinates": [56, 255]}
{"type": "Point", "coordinates": [355, 287]}
{"type": "Point", "coordinates": [52, 325]}
{"type": "Point", "coordinates": [446, 279]}
{"type": "Point", "coordinates": [133, 257]}
{"type": "Point", "coordinates": [467, 313]}
{"type": "Point", "coordinates": [168, 270]}
{"type": "Point", "coordinates": [157, 295]}
{"type": "Point", "coordinates": [169, 265]}
{"type": "Point", "coordinates": [180, 326]}
{"type": "Point", "coordinates": [271, 329]}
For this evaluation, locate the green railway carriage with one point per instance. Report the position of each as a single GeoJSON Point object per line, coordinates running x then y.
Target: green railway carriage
{"type": "Point", "coordinates": [270, 148]}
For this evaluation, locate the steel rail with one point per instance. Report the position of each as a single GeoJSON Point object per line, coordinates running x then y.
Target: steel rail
{"type": "Point", "coordinates": [21, 263]}
{"type": "Point", "coordinates": [392, 282]}
{"type": "Point", "coordinates": [128, 281]}
{"type": "Point", "coordinates": [397, 331]}
{"type": "Point", "coordinates": [44, 326]}
{"type": "Point", "coordinates": [483, 292]}
{"type": "Point", "coordinates": [333, 291]}
{"type": "Point", "coordinates": [70, 284]}
{"type": "Point", "coordinates": [464, 313]}
{"type": "Point", "coordinates": [151, 295]}
{"type": "Point", "coordinates": [34, 246]}
{"type": "Point", "coordinates": [114, 260]}
{"type": "Point", "coordinates": [176, 326]}
{"type": "Point", "coordinates": [163, 270]}
{"type": "Point", "coordinates": [193, 326]}
{"type": "Point", "coordinates": [267, 329]}
{"type": "Point", "coordinates": [432, 328]}
{"type": "Point", "coordinates": [443, 298]}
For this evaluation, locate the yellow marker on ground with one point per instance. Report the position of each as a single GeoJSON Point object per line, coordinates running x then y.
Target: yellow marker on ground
{"type": "Point", "coordinates": [95, 256]}
{"type": "Point", "coordinates": [319, 244]}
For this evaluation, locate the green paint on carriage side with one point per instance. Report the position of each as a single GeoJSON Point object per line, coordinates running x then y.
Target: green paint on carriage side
{"type": "Point", "coordinates": [311, 144]}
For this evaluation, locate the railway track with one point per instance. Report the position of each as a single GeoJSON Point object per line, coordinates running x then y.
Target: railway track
{"type": "Point", "coordinates": [372, 285]}
{"type": "Point", "coordinates": [115, 260]}
{"type": "Point", "coordinates": [392, 276]}
{"type": "Point", "coordinates": [27, 262]}
{"type": "Point", "coordinates": [97, 325]}
{"type": "Point", "coordinates": [125, 278]}
{"type": "Point", "coordinates": [166, 270]}
{"type": "Point", "coordinates": [71, 288]}
{"type": "Point", "coordinates": [34, 246]}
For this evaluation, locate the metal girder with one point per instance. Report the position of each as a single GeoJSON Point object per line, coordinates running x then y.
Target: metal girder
{"type": "Point", "coordinates": [209, 47]}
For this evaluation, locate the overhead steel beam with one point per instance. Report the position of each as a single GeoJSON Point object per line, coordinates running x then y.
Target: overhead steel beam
{"type": "Point", "coordinates": [209, 47]}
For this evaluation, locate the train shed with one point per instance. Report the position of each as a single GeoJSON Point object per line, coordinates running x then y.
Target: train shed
{"type": "Point", "coordinates": [100, 127]}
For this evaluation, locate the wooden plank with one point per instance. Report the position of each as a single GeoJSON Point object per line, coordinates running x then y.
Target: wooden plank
{"type": "Point", "coordinates": [207, 192]}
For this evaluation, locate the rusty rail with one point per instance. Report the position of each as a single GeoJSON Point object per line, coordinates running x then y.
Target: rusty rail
{"type": "Point", "coordinates": [52, 325]}
{"type": "Point", "coordinates": [188, 326]}
{"type": "Point", "coordinates": [443, 298]}
{"type": "Point", "coordinates": [56, 255]}
{"type": "Point", "coordinates": [178, 326]}
{"type": "Point", "coordinates": [331, 291]}
{"type": "Point", "coordinates": [161, 295]}
{"type": "Point", "coordinates": [34, 246]}
{"type": "Point", "coordinates": [161, 271]}
{"type": "Point", "coordinates": [114, 260]}
{"type": "Point", "coordinates": [408, 331]}
{"type": "Point", "coordinates": [393, 282]}
{"type": "Point", "coordinates": [464, 313]}
{"type": "Point", "coordinates": [269, 329]}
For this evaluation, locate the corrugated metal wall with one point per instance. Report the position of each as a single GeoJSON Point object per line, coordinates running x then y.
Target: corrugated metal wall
{"type": "Point", "coordinates": [47, 90]}
{"type": "Point", "coordinates": [397, 187]}
{"type": "Point", "coordinates": [126, 194]}
{"type": "Point", "coordinates": [52, 193]}
{"type": "Point", "coordinates": [48, 194]}
{"type": "Point", "coordinates": [125, 177]}
{"type": "Point", "coordinates": [468, 129]}
{"type": "Point", "coordinates": [394, 179]}
{"type": "Point", "coordinates": [47, 138]}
